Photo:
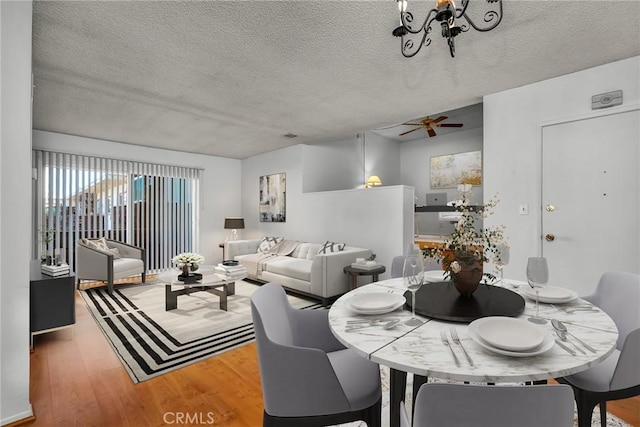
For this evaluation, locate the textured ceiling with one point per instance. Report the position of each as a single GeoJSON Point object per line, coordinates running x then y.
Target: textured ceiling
{"type": "Point", "coordinates": [229, 78]}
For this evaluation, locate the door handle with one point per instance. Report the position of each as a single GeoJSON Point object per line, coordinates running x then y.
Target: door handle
{"type": "Point", "coordinates": [550, 237]}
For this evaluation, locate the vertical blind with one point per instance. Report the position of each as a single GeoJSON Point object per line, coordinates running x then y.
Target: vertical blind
{"type": "Point", "coordinates": [147, 205]}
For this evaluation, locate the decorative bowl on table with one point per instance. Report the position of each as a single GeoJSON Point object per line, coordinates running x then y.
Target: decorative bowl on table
{"type": "Point", "coordinates": [191, 278]}
{"type": "Point", "coordinates": [229, 262]}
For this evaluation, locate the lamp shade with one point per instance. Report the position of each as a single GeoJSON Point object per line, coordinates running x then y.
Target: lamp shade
{"type": "Point", "coordinates": [374, 180]}
{"type": "Point", "coordinates": [234, 223]}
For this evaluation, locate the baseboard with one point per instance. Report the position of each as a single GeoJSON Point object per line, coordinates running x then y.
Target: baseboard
{"type": "Point", "coordinates": [19, 419]}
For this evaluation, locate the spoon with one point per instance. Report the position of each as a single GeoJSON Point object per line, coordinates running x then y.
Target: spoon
{"type": "Point", "coordinates": [391, 324]}
{"type": "Point", "coordinates": [388, 325]}
{"type": "Point", "coordinates": [560, 327]}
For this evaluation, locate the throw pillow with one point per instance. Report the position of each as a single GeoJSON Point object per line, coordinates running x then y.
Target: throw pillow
{"type": "Point", "coordinates": [115, 252]}
{"type": "Point", "coordinates": [99, 244]}
{"type": "Point", "coordinates": [267, 243]}
{"type": "Point", "coordinates": [301, 251]}
{"type": "Point", "coordinates": [313, 250]}
{"type": "Point", "coordinates": [329, 247]}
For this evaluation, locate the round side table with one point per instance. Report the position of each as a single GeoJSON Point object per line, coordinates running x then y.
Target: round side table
{"type": "Point", "coordinates": [354, 272]}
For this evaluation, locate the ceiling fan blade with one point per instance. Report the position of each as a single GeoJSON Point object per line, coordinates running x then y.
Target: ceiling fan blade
{"type": "Point", "coordinates": [449, 125]}
{"type": "Point", "coordinates": [439, 119]}
{"type": "Point", "coordinates": [409, 131]}
{"type": "Point", "coordinates": [430, 131]}
{"type": "Point", "coordinates": [413, 124]}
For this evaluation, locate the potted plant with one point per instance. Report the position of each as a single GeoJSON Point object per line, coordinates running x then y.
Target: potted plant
{"type": "Point", "coordinates": [470, 245]}
{"type": "Point", "coordinates": [46, 237]}
{"type": "Point", "coordinates": [188, 262]}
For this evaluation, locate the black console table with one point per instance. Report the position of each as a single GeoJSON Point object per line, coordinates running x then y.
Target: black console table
{"type": "Point", "coordinates": [52, 301]}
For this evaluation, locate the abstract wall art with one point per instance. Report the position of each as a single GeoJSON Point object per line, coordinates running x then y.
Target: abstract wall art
{"type": "Point", "coordinates": [452, 169]}
{"type": "Point", "coordinates": [273, 198]}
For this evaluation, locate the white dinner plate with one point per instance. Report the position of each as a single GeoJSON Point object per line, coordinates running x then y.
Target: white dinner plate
{"type": "Point", "coordinates": [367, 301]}
{"type": "Point", "coordinates": [434, 276]}
{"type": "Point", "coordinates": [399, 303]}
{"type": "Point", "coordinates": [508, 333]}
{"type": "Point", "coordinates": [547, 344]}
{"type": "Point", "coordinates": [550, 294]}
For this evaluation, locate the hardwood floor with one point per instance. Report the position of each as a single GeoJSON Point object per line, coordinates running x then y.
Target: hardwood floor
{"type": "Point", "coordinates": [79, 381]}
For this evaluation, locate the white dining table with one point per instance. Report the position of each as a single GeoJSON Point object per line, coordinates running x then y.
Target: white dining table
{"type": "Point", "coordinates": [419, 350]}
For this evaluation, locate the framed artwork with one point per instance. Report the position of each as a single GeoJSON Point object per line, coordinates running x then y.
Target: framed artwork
{"type": "Point", "coordinates": [273, 198]}
{"type": "Point", "coordinates": [452, 169]}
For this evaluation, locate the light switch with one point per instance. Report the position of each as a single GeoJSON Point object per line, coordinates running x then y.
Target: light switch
{"type": "Point", "coordinates": [523, 209]}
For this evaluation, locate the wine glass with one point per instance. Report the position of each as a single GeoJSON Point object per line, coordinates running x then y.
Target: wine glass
{"type": "Point", "coordinates": [537, 276]}
{"type": "Point", "coordinates": [504, 260]}
{"type": "Point", "coordinates": [413, 275]}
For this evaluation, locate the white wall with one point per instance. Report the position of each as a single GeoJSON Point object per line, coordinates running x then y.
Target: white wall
{"type": "Point", "coordinates": [370, 218]}
{"type": "Point", "coordinates": [512, 145]}
{"type": "Point", "coordinates": [15, 206]}
{"type": "Point", "coordinates": [336, 166]}
{"type": "Point", "coordinates": [415, 159]}
{"type": "Point", "coordinates": [220, 186]}
{"type": "Point", "coordinates": [382, 158]}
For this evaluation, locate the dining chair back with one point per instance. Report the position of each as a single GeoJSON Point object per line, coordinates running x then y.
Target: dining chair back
{"type": "Point", "coordinates": [463, 405]}
{"type": "Point", "coordinates": [308, 377]}
{"type": "Point", "coordinates": [618, 376]}
{"type": "Point", "coordinates": [397, 263]}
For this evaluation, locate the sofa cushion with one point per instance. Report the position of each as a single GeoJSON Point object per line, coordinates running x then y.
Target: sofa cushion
{"type": "Point", "coordinates": [329, 247]}
{"type": "Point", "coordinates": [115, 252]}
{"type": "Point", "coordinates": [292, 267]}
{"type": "Point", "coordinates": [313, 250]}
{"type": "Point", "coordinates": [267, 243]}
{"type": "Point", "coordinates": [99, 244]}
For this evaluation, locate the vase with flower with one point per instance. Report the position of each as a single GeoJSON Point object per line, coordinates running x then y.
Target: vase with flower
{"type": "Point", "coordinates": [471, 245]}
{"type": "Point", "coordinates": [188, 262]}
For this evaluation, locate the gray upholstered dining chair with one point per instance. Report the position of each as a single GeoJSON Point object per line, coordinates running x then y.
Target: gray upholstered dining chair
{"type": "Point", "coordinates": [463, 405]}
{"type": "Point", "coordinates": [308, 377]}
{"type": "Point", "coordinates": [618, 376]}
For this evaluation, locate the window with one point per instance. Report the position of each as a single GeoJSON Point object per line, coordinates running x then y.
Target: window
{"type": "Point", "coordinates": [86, 197]}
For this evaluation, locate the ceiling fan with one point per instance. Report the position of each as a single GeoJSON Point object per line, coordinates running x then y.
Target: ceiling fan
{"type": "Point", "coordinates": [428, 124]}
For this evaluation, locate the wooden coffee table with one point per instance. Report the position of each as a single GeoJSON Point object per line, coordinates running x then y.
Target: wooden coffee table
{"type": "Point", "coordinates": [211, 282]}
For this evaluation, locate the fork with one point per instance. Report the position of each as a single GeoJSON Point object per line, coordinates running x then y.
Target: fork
{"type": "Point", "coordinates": [445, 341]}
{"type": "Point", "coordinates": [456, 339]}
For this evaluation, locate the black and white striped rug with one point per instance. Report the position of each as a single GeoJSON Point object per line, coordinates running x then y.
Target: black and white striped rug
{"type": "Point", "coordinates": [151, 341]}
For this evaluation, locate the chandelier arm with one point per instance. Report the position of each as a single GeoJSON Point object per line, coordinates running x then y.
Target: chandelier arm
{"type": "Point", "coordinates": [406, 46]}
{"type": "Point", "coordinates": [407, 17]}
{"type": "Point", "coordinates": [461, 10]}
{"type": "Point", "coordinates": [490, 16]}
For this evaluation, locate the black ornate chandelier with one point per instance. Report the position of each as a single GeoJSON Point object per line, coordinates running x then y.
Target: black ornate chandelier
{"type": "Point", "coordinates": [453, 21]}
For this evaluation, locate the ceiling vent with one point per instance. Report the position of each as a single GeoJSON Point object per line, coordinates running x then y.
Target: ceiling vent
{"type": "Point", "coordinates": [290, 135]}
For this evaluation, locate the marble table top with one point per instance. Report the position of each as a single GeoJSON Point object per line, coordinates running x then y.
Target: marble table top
{"type": "Point", "coordinates": [419, 349]}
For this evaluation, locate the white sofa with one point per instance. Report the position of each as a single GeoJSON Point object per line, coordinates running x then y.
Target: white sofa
{"type": "Point", "coordinates": [297, 266]}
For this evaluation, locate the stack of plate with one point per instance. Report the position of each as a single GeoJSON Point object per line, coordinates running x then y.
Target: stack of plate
{"type": "Point", "coordinates": [550, 294]}
{"type": "Point", "coordinates": [434, 276]}
{"type": "Point", "coordinates": [374, 302]}
{"type": "Point", "coordinates": [510, 337]}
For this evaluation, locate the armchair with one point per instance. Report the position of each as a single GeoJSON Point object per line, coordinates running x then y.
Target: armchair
{"type": "Point", "coordinates": [108, 260]}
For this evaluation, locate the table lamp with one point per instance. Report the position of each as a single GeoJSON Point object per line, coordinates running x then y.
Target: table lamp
{"type": "Point", "coordinates": [234, 224]}
{"type": "Point", "coordinates": [373, 181]}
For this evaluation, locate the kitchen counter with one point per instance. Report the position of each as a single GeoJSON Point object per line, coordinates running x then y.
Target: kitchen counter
{"type": "Point", "coordinates": [429, 240]}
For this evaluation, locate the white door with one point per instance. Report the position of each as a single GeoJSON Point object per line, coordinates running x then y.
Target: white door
{"type": "Point", "coordinates": [590, 198]}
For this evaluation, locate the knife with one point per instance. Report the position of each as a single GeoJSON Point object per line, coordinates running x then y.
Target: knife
{"type": "Point", "coordinates": [571, 352]}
